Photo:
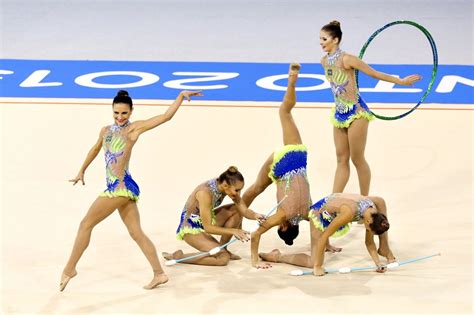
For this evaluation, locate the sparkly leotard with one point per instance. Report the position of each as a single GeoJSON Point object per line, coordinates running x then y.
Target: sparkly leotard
{"type": "Point", "coordinates": [349, 106]}
{"type": "Point", "coordinates": [321, 217]}
{"type": "Point", "coordinates": [118, 148]}
{"type": "Point", "coordinates": [191, 222]}
{"type": "Point", "coordinates": [288, 171]}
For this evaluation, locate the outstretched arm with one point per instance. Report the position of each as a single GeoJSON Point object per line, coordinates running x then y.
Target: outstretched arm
{"type": "Point", "coordinates": [343, 217]}
{"type": "Point", "coordinates": [356, 63]}
{"type": "Point", "coordinates": [89, 158]}
{"type": "Point", "coordinates": [246, 212]}
{"type": "Point", "coordinates": [141, 126]}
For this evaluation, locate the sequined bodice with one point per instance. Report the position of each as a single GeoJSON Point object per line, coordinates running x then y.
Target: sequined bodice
{"type": "Point", "coordinates": [117, 148]}
{"type": "Point", "coordinates": [360, 205]}
{"type": "Point", "coordinates": [288, 171]}
{"type": "Point", "coordinates": [192, 205]}
{"type": "Point", "coordinates": [217, 196]}
{"type": "Point", "coordinates": [342, 81]}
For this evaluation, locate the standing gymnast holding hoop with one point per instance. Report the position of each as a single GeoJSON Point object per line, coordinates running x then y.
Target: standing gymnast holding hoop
{"type": "Point", "coordinates": [350, 116]}
{"type": "Point", "coordinates": [122, 191]}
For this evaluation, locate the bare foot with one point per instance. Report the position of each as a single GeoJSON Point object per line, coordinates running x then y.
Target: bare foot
{"type": "Point", "coordinates": [272, 256]}
{"type": "Point", "coordinates": [234, 256]}
{"type": "Point", "coordinates": [332, 249]}
{"type": "Point", "coordinates": [176, 255]}
{"type": "Point", "coordinates": [295, 67]}
{"type": "Point", "coordinates": [158, 279]}
{"type": "Point", "coordinates": [293, 73]}
{"type": "Point", "coordinates": [65, 279]}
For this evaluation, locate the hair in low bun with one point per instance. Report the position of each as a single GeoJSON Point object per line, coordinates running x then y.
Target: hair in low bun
{"type": "Point", "coordinates": [379, 223]}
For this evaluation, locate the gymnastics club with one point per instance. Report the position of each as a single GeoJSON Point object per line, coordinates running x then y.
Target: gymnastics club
{"type": "Point", "coordinates": [299, 272]}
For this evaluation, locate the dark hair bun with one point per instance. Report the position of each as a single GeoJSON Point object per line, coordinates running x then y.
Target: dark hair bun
{"type": "Point", "coordinates": [232, 169]}
{"type": "Point", "coordinates": [122, 93]}
{"type": "Point", "coordinates": [335, 23]}
{"type": "Point", "coordinates": [289, 234]}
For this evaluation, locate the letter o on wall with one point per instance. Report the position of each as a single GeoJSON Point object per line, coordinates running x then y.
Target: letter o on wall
{"type": "Point", "coordinates": [269, 82]}
{"type": "Point", "coordinates": [88, 79]}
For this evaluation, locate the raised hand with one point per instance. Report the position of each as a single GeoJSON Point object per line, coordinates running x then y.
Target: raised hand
{"type": "Point", "coordinates": [187, 94]}
{"type": "Point", "coordinates": [409, 80]}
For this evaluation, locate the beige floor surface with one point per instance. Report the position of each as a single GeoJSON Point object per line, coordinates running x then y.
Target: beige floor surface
{"type": "Point", "coordinates": [422, 165]}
